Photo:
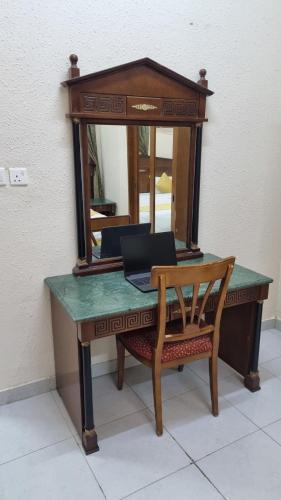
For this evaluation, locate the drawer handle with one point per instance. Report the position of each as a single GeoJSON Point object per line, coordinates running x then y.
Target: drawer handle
{"type": "Point", "coordinates": [144, 107]}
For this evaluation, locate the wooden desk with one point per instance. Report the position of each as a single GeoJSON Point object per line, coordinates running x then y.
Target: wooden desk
{"type": "Point", "coordinates": [104, 206]}
{"type": "Point", "coordinates": [92, 307]}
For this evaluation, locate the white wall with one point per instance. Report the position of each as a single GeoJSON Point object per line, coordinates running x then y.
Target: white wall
{"type": "Point", "coordinates": [164, 142]}
{"type": "Point", "coordinates": [114, 161]}
{"type": "Point", "coordinates": [239, 44]}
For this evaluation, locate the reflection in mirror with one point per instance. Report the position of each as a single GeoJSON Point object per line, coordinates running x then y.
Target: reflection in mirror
{"type": "Point", "coordinates": [144, 173]}
{"type": "Point", "coordinates": [156, 184]}
{"type": "Point", "coordinates": [163, 179]}
{"type": "Point", "coordinates": [107, 149]}
{"type": "Point", "coordinates": [180, 185]}
{"type": "Point", "coordinates": [155, 176]}
{"type": "Point", "coordinates": [163, 166]}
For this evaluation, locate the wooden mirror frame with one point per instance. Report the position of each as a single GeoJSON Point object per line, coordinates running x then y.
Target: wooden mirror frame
{"type": "Point", "coordinates": [141, 92]}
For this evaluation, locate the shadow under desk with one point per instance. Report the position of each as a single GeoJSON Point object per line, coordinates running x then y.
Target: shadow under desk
{"type": "Point", "coordinates": [88, 308]}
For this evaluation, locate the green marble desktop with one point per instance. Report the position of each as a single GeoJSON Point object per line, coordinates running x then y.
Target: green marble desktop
{"type": "Point", "coordinates": [96, 296]}
{"type": "Point", "coordinates": [101, 201]}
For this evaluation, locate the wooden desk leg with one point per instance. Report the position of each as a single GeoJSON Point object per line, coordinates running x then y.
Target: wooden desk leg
{"type": "Point", "coordinates": [73, 375]}
{"type": "Point", "coordinates": [252, 379]}
{"type": "Point", "coordinates": [89, 435]}
{"type": "Point", "coordinates": [240, 339]}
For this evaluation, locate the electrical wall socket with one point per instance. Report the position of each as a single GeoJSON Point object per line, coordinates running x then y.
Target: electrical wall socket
{"type": "Point", "coordinates": [3, 177]}
{"type": "Point", "coordinates": [18, 176]}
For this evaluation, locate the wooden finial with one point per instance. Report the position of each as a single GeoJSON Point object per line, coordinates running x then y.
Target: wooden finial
{"type": "Point", "coordinates": [73, 70]}
{"type": "Point", "coordinates": [203, 81]}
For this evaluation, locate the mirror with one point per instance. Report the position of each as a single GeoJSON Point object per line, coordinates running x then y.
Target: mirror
{"type": "Point", "coordinates": [138, 175]}
{"type": "Point", "coordinates": [143, 159]}
{"type": "Point", "coordinates": [107, 153]}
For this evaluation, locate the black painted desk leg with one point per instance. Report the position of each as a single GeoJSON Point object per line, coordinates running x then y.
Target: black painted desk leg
{"type": "Point", "coordinates": [252, 380]}
{"type": "Point", "coordinates": [89, 436]}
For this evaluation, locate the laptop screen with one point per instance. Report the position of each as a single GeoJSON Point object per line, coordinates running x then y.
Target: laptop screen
{"type": "Point", "coordinates": [110, 243]}
{"type": "Point", "coordinates": [142, 252]}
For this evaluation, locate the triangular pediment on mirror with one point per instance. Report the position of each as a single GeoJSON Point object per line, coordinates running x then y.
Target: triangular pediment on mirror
{"type": "Point", "coordinates": [139, 90]}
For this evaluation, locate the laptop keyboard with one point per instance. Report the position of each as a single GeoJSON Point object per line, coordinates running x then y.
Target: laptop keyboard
{"type": "Point", "coordinates": [142, 281]}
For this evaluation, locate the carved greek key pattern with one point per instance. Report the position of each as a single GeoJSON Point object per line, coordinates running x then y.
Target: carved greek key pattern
{"type": "Point", "coordinates": [242, 296]}
{"type": "Point", "coordinates": [116, 324]}
{"type": "Point", "coordinates": [101, 327]}
{"type": "Point", "coordinates": [126, 322]}
{"type": "Point", "coordinates": [179, 107]}
{"type": "Point", "coordinates": [234, 297]}
{"type": "Point", "coordinates": [97, 103]}
{"type": "Point", "coordinates": [140, 319]}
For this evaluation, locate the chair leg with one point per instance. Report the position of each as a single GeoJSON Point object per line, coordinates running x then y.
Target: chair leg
{"type": "Point", "coordinates": [156, 379]}
{"type": "Point", "coordinates": [213, 372]}
{"type": "Point", "coordinates": [120, 363]}
{"type": "Point", "coordinates": [180, 368]}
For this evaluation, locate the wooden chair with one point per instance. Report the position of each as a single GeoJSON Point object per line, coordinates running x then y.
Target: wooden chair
{"type": "Point", "coordinates": [184, 340]}
{"type": "Point", "coordinates": [98, 223]}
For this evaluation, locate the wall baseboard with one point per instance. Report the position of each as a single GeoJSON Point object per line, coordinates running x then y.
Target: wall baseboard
{"type": "Point", "coordinates": [110, 366]}
{"type": "Point", "coordinates": [27, 390]}
{"type": "Point", "coordinates": [278, 324]}
{"type": "Point", "coordinates": [269, 324]}
{"type": "Point", "coordinates": [49, 384]}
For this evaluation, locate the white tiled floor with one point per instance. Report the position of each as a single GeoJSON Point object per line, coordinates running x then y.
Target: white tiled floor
{"type": "Point", "coordinates": [235, 456]}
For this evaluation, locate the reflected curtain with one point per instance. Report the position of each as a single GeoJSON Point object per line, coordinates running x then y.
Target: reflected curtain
{"type": "Point", "coordinates": [143, 140]}
{"type": "Point", "coordinates": [97, 187]}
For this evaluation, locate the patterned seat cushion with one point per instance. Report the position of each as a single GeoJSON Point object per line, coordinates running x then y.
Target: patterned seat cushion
{"type": "Point", "coordinates": [142, 343]}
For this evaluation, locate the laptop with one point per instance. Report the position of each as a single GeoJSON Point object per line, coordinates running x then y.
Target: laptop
{"type": "Point", "coordinates": [142, 252]}
{"type": "Point", "coordinates": [110, 239]}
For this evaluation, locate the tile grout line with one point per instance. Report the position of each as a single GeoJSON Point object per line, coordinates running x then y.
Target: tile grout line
{"type": "Point", "coordinates": [193, 462]}
{"type": "Point", "coordinates": [268, 435]}
{"type": "Point", "coordinates": [241, 413]}
{"type": "Point", "coordinates": [268, 361]}
{"type": "Point", "coordinates": [156, 481]}
{"type": "Point", "coordinates": [79, 448]}
{"type": "Point", "coordinates": [258, 428]}
{"type": "Point", "coordinates": [91, 470]}
{"type": "Point", "coordinates": [147, 408]}
{"type": "Point", "coordinates": [243, 437]}
{"type": "Point", "coordinates": [209, 480]}
{"type": "Point", "coordinates": [35, 451]}
{"type": "Point", "coordinates": [171, 397]}
{"type": "Point", "coordinates": [228, 444]}
{"type": "Point", "coordinates": [247, 417]}
{"type": "Point", "coordinates": [271, 423]}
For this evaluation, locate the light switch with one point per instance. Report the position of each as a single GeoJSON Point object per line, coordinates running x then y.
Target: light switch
{"type": "Point", "coordinates": [3, 179]}
{"type": "Point", "coordinates": [18, 176]}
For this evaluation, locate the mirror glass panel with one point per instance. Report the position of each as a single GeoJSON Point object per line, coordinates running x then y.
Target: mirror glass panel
{"type": "Point", "coordinates": [107, 150]}
{"type": "Point", "coordinates": [138, 180]}
{"type": "Point", "coordinates": [144, 167]}
{"type": "Point", "coordinates": [163, 179]}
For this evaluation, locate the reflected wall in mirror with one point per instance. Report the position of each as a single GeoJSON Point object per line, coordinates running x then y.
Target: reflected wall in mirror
{"type": "Point", "coordinates": [107, 153]}
{"type": "Point", "coordinates": [155, 156]}
{"type": "Point", "coordinates": [152, 171]}
{"type": "Point", "coordinates": [159, 159]}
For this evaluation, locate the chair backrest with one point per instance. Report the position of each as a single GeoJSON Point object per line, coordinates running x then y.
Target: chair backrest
{"type": "Point", "coordinates": [115, 220]}
{"type": "Point", "coordinates": [163, 277]}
